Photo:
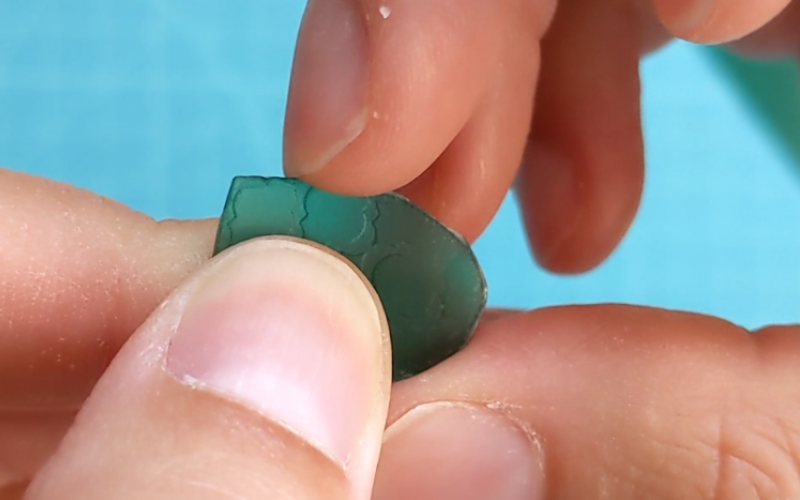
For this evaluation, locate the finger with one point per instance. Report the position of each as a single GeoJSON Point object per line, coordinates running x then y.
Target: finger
{"type": "Point", "coordinates": [266, 376]}
{"type": "Point", "coordinates": [79, 273]}
{"type": "Point", "coordinates": [780, 37]}
{"type": "Point", "coordinates": [631, 402]}
{"type": "Point", "coordinates": [582, 176]}
{"type": "Point", "coordinates": [716, 21]}
{"type": "Point", "coordinates": [381, 87]}
{"type": "Point", "coordinates": [467, 184]}
{"type": "Point", "coordinates": [27, 440]}
{"type": "Point", "coordinates": [495, 314]}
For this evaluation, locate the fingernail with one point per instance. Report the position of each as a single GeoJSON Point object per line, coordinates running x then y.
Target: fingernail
{"type": "Point", "coordinates": [326, 108]}
{"type": "Point", "coordinates": [441, 451]}
{"type": "Point", "coordinates": [681, 16]}
{"type": "Point", "coordinates": [551, 188]}
{"type": "Point", "coordinates": [289, 331]}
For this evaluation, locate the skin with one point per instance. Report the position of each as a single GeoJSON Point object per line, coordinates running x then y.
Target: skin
{"type": "Point", "coordinates": [600, 388]}
{"type": "Point", "coordinates": [621, 401]}
{"type": "Point", "coordinates": [485, 112]}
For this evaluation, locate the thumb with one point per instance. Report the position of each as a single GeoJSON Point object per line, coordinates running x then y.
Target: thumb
{"type": "Point", "coordinates": [266, 376]}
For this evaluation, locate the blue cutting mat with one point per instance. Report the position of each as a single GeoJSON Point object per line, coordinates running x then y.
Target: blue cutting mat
{"type": "Point", "coordinates": [159, 104]}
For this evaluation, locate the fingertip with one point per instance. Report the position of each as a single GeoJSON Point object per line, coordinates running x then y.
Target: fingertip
{"type": "Point", "coordinates": [575, 215]}
{"type": "Point", "coordinates": [583, 172]}
{"type": "Point", "coordinates": [716, 21]}
{"type": "Point", "coordinates": [261, 329]}
{"type": "Point", "coordinates": [682, 16]}
{"type": "Point", "coordinates": [272, 365]}
{"type": "Point", "coordinates": [451, 450]}
{"type": "Point", "coordinates": [423, 67]}
{"type": "Point", "coordinates": [327, 102]}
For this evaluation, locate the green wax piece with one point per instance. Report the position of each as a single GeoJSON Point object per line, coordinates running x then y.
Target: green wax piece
{"type": "Point", "coordinates": [427, 277]}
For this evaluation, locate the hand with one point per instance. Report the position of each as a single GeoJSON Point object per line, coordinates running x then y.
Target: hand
{"type": "Point", "coordinates": [264, 374]}
{"type": "Point", "coordinates": [383, 89]}
{"type": "Point", "coordinates": [561, 403]}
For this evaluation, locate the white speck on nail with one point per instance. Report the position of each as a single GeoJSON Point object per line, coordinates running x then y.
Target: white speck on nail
{"type": "Point", "coordinates": [375, 114]}
{"type": "Point", "coordinates": [384, 11]}
{"type": "Point", "coordinates": [192, 382]}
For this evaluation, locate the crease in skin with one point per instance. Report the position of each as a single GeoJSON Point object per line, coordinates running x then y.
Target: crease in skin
{"type": "Point", "coordinates": [757, 451]}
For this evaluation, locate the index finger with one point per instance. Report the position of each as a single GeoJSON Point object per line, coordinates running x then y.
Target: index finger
{"type": "Point", "coordinates": [434, 97]}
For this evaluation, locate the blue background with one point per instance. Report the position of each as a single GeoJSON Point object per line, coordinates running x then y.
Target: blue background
{"type": "Point", "coordinates": [158, 104]}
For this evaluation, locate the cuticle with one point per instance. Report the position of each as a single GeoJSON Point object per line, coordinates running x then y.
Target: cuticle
{"type": "Point", "coordinates": [495, 407]}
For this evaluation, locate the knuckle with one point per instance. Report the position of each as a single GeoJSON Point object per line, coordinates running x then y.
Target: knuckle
{"type": "Point", "coordinates": [757, 457]}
